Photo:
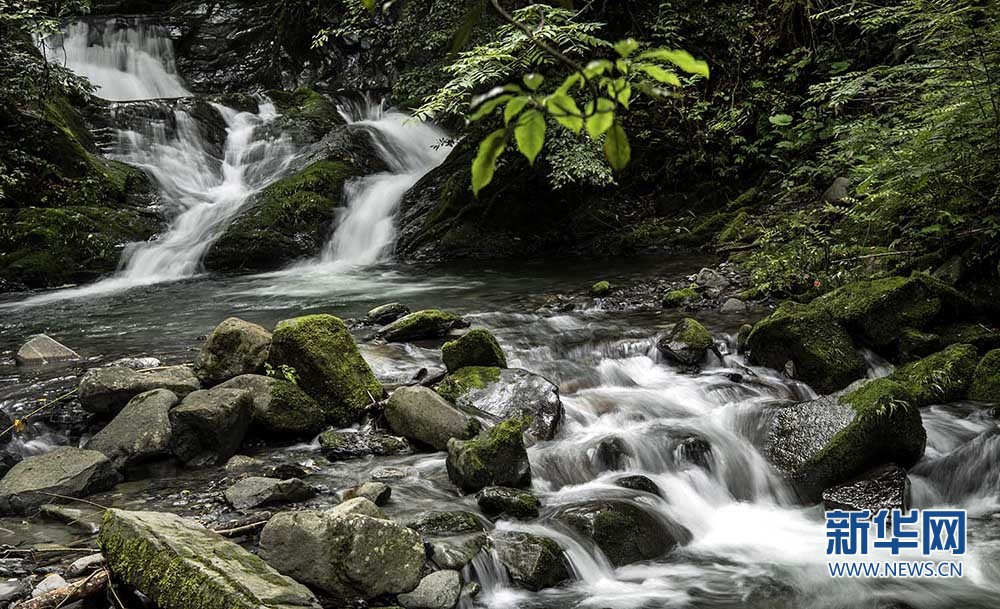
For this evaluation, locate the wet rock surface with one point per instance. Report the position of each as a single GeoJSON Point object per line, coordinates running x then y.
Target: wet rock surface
{"type": "Point", "coordinates": [422, 416]}
{"type": "Point", "coordinates": [42, 349]}
{"type": "Point", "coordinates": [496, 457]}
{"type": "Point", "coordinates": [884, 488]}
{"type": "Point", "coordinates": [623, 531]}
{"type": "Point", "coordinates": [533, 562]}
{"type": "Point", "coordinates": [66, 472]}
{"type": "Point", "coordinates": [281, 409]}
{"type": "Point", "coordinates": [105, 391]}
{"type": "Point", "coordinates": [342, 445]}
{"type": "Point", "coordinates": [258, 491]}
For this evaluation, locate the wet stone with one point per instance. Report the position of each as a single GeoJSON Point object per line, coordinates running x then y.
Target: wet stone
{"type": "Point", "coordinates": [885, 487]}
{"type": "Point", "coordinates": [639, 483]}
{"type": "Point", "coordinates": [378, 493]}
{"type": "Point", "coordinates": [257, 491]}
{"type": "Point", "coordinates": [41, 349]}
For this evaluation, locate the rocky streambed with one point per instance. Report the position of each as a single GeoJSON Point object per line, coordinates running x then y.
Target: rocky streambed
{"type": "Point", "coordinates": [493, 438]}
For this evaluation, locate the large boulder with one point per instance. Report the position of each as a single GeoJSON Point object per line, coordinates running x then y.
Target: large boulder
{"type": "Point", "coordinates": [256, 491]}
{"type": "Point", "coordinates": [829, 441]}
{"type": "Point", "coordinates": [347, 552]}
{"type": "Point", "coordinates": [496, 457]}
{"type": "Point", "coordinates": [884, 488]}
{"type": "Point", "coordinates": [420, 325]}
{"type": "Point", "coordinates": [328, 364]}
{"type": "Point", "coordinates": [439, 590]}
{"type": "Point", "coordinates": [280, 408]}
{"type": "Point", "coordinates": [820, 350]}
{"type": "Point", "coordinates": [476, 347]}
{"type": "Point", "coordinates": [534, 562]}
{"type": "Point", "coordinates": [686, 344]}
{"type": "Point", "coordinates": [105, 391]}
{"type": "Point", "coordinates": [939, 378]}
{"type": "Point", "coordinates": [233, 348]}
{"type": "Point", "coordinates": [140, 432]}
{"type": "Point", "coordinates": [421, 415]}
{"type": "Point", "coordinates": [42, 349]}
{"type": "Point", "coordinates": [179, 564]}
{"type": "Point", "coordinates": [623, 531]}
{"type": "Point", "coordinates": [209, 425]}
{"type": "Point", "coordinates": [343, 445]}
{"type": "Point", "coordinates": [507, 393]}
{"type": "Point", "coordinates": [53, 477]}
{"type": "Point", "coordinates": [986, 379]}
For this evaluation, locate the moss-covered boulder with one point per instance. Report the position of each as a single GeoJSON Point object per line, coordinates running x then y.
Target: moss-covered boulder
{"type": "Point", "coordinates": [281, 410]}
{"type": "Point", "coordinates": [233, 348]}
{"type": "Point", "coordinates": [939, 378]}
{"type": "Point", "coordinates": [834, 439]}
{"type": "Point", "coordinates": [497, 457]}
{"type": "Point", "coordinates": [679, 298]}
{"type": "Point", "coordinates": [179, 564]}
{"type": "Point", "coordinates": [986, 379]}
{"type": "Point", "coordinates": [687, 343]}
{"type": "Point", "coordinates": [476, 347]}
{"type": "Point", "coordinates": [457, 384]}
{"type": "Point", "coordinates": [623, 531]}
{"type": "Point", "coordinates": [533, 561]}
{"type": "Point", "coordinates": [328, 364]}
{"type": "Point", "coordinates": [386, 314]}
{"type": "Point", "coordinates": [306, 115]}
{"type": "Point", "coordinates": [420, 325]}
{"type": "Point", "coordinates": [497, 501]}
{"type": "Point", "coordinates": [601, 288]}
{"type": "Point", "coordinates": [981, 336]}
{"type": "Point", "coordinates": [820, 349]}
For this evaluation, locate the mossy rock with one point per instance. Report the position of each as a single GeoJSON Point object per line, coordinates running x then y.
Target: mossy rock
{"type": "Point", "coordinates": [986, 379]}
{"type": "Point", "coordinates": [939, 378]}
{"type": "Point", "coordinates": [739, 230]}
{"type": "Point", "coordinates": [476, 347]}
{"type": "Point", "coordinates": [497, 457]}
{"type": "Point", "coordinates": [462, 381]}
{"type": "Point", "coordinates": [601, 288]}
{"type": "Point", "coordinates": [980, 336]}
{"type": "Point", "coordinates": [624, 532]}
{"type": "Point", "coordinates": [497, 501]}
{"type": "Point", "coordinates": [305, 113]}
{"type": "Point", "coordinates": [680, 298]}
{"type": "Point", "coordinates": [820, 349]}
{"type": "Point", "coordinates": [687, 343]}
{"type": "Point", "coordinates": [328, 364]}
{"type": "Point", "coordinates": [420, 325]}
{"type": "Point", "coordinates": [914, 344]}
{"type": "Point", "coordinates": [281, 410]}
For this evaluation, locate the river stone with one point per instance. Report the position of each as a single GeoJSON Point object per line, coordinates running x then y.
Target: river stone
{"type": "Point", "coordinates": [476, 347]}
{"type": "Point", "coordinates": [12, 590]}
{"type": "Point", "coordinates": [241, 464]}
{"type": "Point", "coordinates": [733, 305]}
{"type": "Point", "coordinates": [439, 590]}
{"type": "Point", "coordinates": [421, 325]}
{"type": "Point", "coordinates": [454, 522]}
{"type": "Point", "coordinates": [209, 425]}
{"type": "Point", "coordinates": [66, 471]}
{"type": "Point", "coordinates": [712, 279]}
{"type": "Point", "coordinates": [421, 415]}
{"type": "Point", "coordinates": [496, 457]}
{"type": "Point", "coordinates": [349, 555]}
{"type": "Point", "coordinates": [233, 348]}
{"type": "Point", "coordinates": [343, 445]}
{"type": "Point", "coordinates": [105, 391]}
{"type": "Point", "coordinates": [831, 440]}
{"type": "Point", "coordinates": [387, 313]}
{"type": "Point", "coordinates": [505, 394]}
{"type": "Point", "coordinates": [623, 531]}
{"type": "Point", "coordinates": [328, 364]}
{"type": "Point", "coordinates": [497, 501]}
{"type": "Point", "coordinates": [137, 363]}
{"type": "Point", "coordinates": [140, 432]}
{"type": "Point", "coordinates": [82, 517]}
{"type": "Point", "coordinates": [256, 491]}
{"type": "Point", "coordinates": [687, 343]}
{"type": "Point", "coordinates": [42, 349]}
{"type": "Point", "coordinates": [179, 564]}
{"type": "Point", "coordinates": [280, 408]}
{"type": "Point", "coordinates": [534, 562]}
{"type": "Point", "coordinates": [84, 565]}
{"type": "Point", "coordinates": [456, 551]}
{"type": "Point", "coordinates": [378, 493]}
{"type": "Point", "coordinates": [883, 488]}
{"type": "Point", "coordinates": [638, 482]}
{"type": "Point", "coordinates": [52, 581]}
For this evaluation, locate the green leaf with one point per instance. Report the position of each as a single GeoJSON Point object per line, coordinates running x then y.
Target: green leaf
{"type": "Point", "coordinates": [616, 147]}
{"type": "Point", "coordinates": [781, 120]}
{"type": "Point", "coordinates": [533, 81]}
{"type": "Point", "coordinates": [567, 84]}
{"type": "Point", "coordinates": [597, 67]}
{"type": "Point", "coordinates": [600, 121]}
{"type": "Point", "coordinates": [514, 107]}
{"type": "Point", "coordinates": [488, 106]}
{"type": "Point", "coordinates": [657, 73]}
{"type": "Point", "coordinates": [682, 59]}
{"type": "Point", "coordinates": [563, 108]}
{"type": "Point", "coordinates": [485, 162]}
{"type": "Point", "coordinates": [621, 91]}
{"type": "Point", "coordinates": [626, 47]}
{"type": "Point", "coordinates": [530, 134]}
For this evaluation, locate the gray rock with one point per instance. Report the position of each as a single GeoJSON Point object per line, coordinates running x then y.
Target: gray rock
{"type": "Point", "coordinates": [612, 454]}
{"type": "Point", "coordinates": [137, 363]}
{"type": "Point", "coordinates": [454, 522]}
{"type": "Point", "coordinates": [505, 394]}
{"type": "Point", "coordinates": [233, 348]}
{"type": "Point", "coordinates": [359, 505]}
{"type": "Point", "coordinates": [205, 570]}
{"type": "Point", "coordinates": [497, 501]}
{"type": "Point", "coordinates": [280, 408]}
{"type": "Point", "coordinates": [496, 457]}
{"type": "Point", "coordinates": [885, 487]}
{"type": "Point", "coordinates": [66, 471]}
{"type": "Point", "coordinates": [52, 581]}
{"type": "Point", "coordinates": [439, 590]}
{"type": "Point", "coordinates": [82, 566]}
{"type": "Point", "coordinates": [421, 415]}
{"type": "Point", "coordinates": [13, 589]}
{"type": "Point", "coordinates": [456, 551]}
{"type": "Point", "coordinates": [733, 306]}
{"type": "Point", "coordinates": [238, 464]}
{"type": "Point", "coordinates": [639, 483]}
{"type": "Point", "coordinates": [209, 425]}
{"type": "Point", "coordinates": [81, 517]}
{"type": "Point", "coordinates": [387, 313]}
{"type": "Point", "coordinates": [140, 432]}
{"type": "Point", "coordinates": [351, 556]}
{"type": "Point", "coordinates": [41, 349]}
{"type": "Point", "coordinates": [343, 445]}
{"type": "Point", "coordinates": [257, 491]}
{"type": "Point", "coordinates": [105, 391]}
{"type": "Point", "coordinates": [534, 562]}
{"type": "Point", "coordinates": [378, 493]}
{"type": "Point", "coordinates": [741, 338]}
{"type": "Point", "coordinates": [623, 531]}
{"type": "Point", "coordinates": [838, 192]}
{"type": "Point", "coordinates": [711, 279]}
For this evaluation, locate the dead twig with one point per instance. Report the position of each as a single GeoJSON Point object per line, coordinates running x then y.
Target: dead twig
{"type": "Point", "coordinates": [93, 584]}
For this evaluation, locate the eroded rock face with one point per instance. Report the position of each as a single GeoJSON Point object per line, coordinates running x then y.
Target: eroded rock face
{"type": "Point", "coordinates": [140, 432]}
{"type": "Point", "coordinates": [209, 425]}
{"type": "Point", "coordinates": [181, 565]}
{"type": "Point", "coordinates": [534, 562]}
{"type": "Point", "coordinates": [66, 471]}
{"type": "Point", "coordinates": [42, 349]}
{"type": "Point", "coordinates": [105, 391]}
{"type": "Point", "coordinates": [623, 531]}
{"type": "Point", "coordinates": [281, 409]}
{"type": "Point", "coordinates": [885, 487]}
{"type": "Point", "coordinates": [421, 415]}
{"type": "Point", "coordinates": [348, 554]}
{"type": "Point", "coordinates": [233, 348]}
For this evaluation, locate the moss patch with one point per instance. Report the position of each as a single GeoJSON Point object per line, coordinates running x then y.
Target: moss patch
{"type": "Point", "coordinates": [986, 379]}
{"type": "Point", "coordinates": [426, 324]}
{"type": "Point", "coordinates": [475, 348]}
{"type": "Point", "coordinates": [939, 378]}
{"type": "Point", "coordinates": [601, 288]}
{"type": "Point", "coordinates": [462, 381]}
{"type": "Point", "coordinates": [679, 298]}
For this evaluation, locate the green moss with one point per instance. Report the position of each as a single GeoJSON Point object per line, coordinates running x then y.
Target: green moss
{"type": "Point", "coordinates": [460, 382]}
{"type": "Point", "coordinates": [691, 332]}
{"type": "Point", "coordinates": [739, 230]}
{"type": "Point", "coordinates": [941, 377]}
{"type": "Point", "coordinates": [979, 336]}
{"type": "Point", "coordinates": [474, 348]}
{"type": "Point", "coordinates": [601, 288]}
{"type": "Point", "coordinates": [291, 411]}
{"type": "Point", "coordinates": [307, 109]}
{"type": "Point", "coordinates": [914, 344]}
{"type": "Point", "coordinates": [426, 324]}
{"type": "Point", "coordinates": [679, 298]}
{"type": "Point", "coordinates": [986, 379]}
{"type": "Point", "coordinates": [495, 457]}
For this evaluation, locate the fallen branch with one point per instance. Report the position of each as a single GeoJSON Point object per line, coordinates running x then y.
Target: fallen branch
{"type": "Point", "coordinates": [870, 256]}
{"type": "Point", "coordinates": [236, 531]}
{"type": "Point", "coordinates": [94, 584]}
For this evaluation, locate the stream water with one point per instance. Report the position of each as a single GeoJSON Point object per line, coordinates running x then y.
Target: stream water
{"type": "Point", "coordinates": [751, 545]}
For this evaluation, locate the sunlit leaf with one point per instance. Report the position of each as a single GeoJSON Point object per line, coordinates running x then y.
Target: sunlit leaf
{"type": "Point", "coordinates": [514, 107]}
{"type": "Point", "coordinates": [485, 162]}
{"type": "Point", "coordinates": [661, 75]}
{"type": "Point", "coordinates": [601, 119]}
{"type": "Point", "coordinates": [530, 134]}
{"type": "Point", "coordinates": [563, 108]}
{"type": "Point", "coordinates": [567, 84]}
{"type": "Point", "coordinates": [488, 106]}
{"type": "Point", "coordinates": [682, 59]}
{"type": "Point", "coordinates": [781, 120]}
{"type": "Point", "coordinates": [616, 147]}
{"type": "Point", "coordinates": [533, 81]}
{"type": "Point", "coordinates": [626, 47]}
{"type": "Point", "coordinates": [597, 67]}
